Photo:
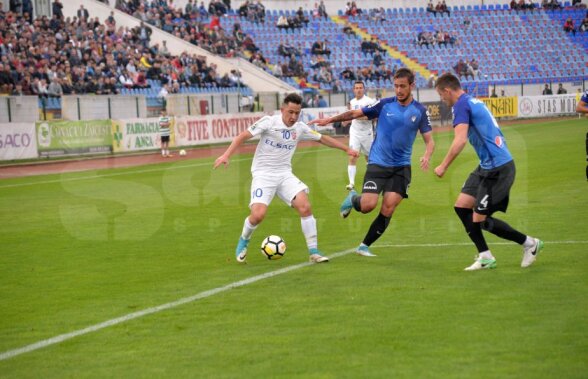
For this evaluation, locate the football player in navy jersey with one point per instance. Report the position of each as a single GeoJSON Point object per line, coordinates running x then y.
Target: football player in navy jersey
{"type": "Point", "coordinates": [582, 106]}
{"type": "Point", "coordinates": [388, 171]}
{"type": "Point", "coordinates": [487, 188]}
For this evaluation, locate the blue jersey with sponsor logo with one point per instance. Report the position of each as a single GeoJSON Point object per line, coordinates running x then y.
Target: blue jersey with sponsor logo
{"type": "Point", "coordinates": [584, 97]}
{"type": "Point", "coordinates": [483, 133]}
{"type": "Point", "coordinates": [396, 130]}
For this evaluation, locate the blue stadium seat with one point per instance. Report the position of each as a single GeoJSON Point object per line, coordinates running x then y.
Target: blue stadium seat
{"type": "Point", "coordinates": [507, 35]}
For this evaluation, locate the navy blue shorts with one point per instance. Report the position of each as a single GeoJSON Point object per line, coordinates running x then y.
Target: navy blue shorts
{"type": "Point", "coordinates": [491, 188]}
{"type": "Point", "coordinates": [380, 179]}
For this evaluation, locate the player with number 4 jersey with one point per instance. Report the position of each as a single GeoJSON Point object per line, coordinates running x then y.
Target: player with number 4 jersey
{"type": "Point", "coordinates": [487, 189]}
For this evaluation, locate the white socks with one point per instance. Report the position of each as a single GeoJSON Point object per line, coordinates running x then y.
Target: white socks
{"type": "Point", "coordinates": [486, 255]}
{"type": "Point", "coordinates": [248, 229]}
{"type": "Point", "coordinates": [309, 230]}
{"type": "Point", "coordinates": [529, 242]}
{"type": "Point", "coordinates": [351, 170]}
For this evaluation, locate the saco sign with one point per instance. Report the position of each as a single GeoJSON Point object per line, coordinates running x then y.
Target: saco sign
{"type": "Point", "coordinates": [17, 141]}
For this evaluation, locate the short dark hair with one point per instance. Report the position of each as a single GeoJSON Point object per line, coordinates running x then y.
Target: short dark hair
{"type": "Point", "coordinates": [359, 82]}
{"type": "Point", "coordinates": [405, 73]}
{"type": "Point", "coordinates": [448, 80]}
{"type": "Point", "coordinates": [293, 98]}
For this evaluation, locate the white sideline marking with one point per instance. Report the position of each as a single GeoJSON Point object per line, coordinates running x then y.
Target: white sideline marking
{"type": "Point", "coordinates": [111, 174]}
{"type": "Point", "coordinates": [131, 316]}
{"type": "Point", "coordinates": [470, 243]}
{"type": "Point", "coordinates": [131, 172]}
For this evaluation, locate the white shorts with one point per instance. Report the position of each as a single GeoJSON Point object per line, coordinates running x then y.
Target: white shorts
{"type": "Point", "coordinates": [361, 142]}
{"type": "Point", "coordinates": [265, 187]}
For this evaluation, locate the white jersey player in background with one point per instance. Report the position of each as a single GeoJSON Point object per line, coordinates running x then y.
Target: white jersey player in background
{"type": "Point", "coordinates": [361, 134]}
{"type": "Point", "coordinates": [272, 171]}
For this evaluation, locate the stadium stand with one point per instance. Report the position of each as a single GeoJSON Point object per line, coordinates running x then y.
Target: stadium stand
{"type": "Point", "coordinates": [89, 57]}
{"type": "Point", "coordinates": [510, 46]}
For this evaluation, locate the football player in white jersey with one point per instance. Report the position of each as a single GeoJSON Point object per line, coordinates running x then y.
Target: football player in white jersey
{"type": "Point", "coordinates": [272, 171]}
{"type": "Point", "coordinates": [361, 134]}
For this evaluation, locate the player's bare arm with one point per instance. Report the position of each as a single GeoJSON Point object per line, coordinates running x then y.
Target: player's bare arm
{"type": "Point", "coordinates": [459, 141]}
{"type": "Point", "coordinates": [347, 123]}
{"type": "Point", "coordinates": [346, 116]}
{"type": "Point", "coordinates": [429, 148]}
{"type": "Point", "coordinates": [358, 118]}
{"type": "Point", "coordinates": [238, 141]}
{"type": "Point", "coordinates": [582, 107]}
{"type": "Point", "coordinates": [331, 142]}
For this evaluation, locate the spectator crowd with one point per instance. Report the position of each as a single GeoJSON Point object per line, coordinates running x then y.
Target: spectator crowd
{"type": "Point", "coordinates": [50, 57]}
{"type": "Point", "coordinates": [467, 69]}
{"type": "Point", "coordinates": [437, 38]}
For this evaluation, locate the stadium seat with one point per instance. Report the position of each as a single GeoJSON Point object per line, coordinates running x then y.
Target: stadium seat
{"type": "Point", "coordinates": [515, 35]}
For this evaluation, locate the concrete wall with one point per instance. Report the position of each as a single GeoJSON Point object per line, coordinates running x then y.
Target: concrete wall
{"type": "Point", "coordinates": [425, 95]}
{"type": "Point", "coordinates": [92, 107]}
{"type": "Point", "coordinates": [19, 109]}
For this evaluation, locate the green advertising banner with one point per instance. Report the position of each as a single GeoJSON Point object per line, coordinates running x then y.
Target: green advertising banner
{"type": "Point", "coordinates": [138, 134]}
{"type": "Point", "coordinates": [59, 138]}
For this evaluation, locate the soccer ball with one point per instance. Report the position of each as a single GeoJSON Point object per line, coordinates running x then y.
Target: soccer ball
{"type": "Point", "coordinates": [273, 247]}
{"type": "Point", "coordinates": [183, 152]}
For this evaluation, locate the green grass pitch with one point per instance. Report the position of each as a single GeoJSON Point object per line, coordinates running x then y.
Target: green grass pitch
{"type": "Point", "coordinates": [80, 249]}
